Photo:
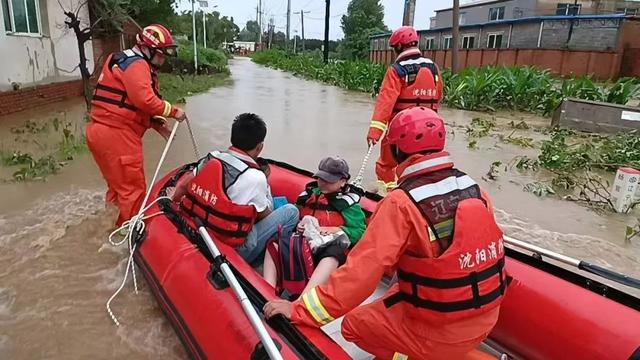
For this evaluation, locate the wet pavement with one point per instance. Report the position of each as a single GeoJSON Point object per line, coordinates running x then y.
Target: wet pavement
{"type": "Point", "coordinates": [56, 272]}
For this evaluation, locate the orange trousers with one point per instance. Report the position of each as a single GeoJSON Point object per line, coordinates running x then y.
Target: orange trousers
{"type": "Point", "coordinates": [118, 153]}
{"type": "Point", "coordinates": [386, 165]}
{"type": "Point", "coordinates": [389, 335]}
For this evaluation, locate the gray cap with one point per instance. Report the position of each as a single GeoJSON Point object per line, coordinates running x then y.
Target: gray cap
{"type": "Point", "coordinates": [332, 169]}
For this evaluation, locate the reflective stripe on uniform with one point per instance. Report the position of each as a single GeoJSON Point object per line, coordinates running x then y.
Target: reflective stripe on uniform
{"type": "Point", "coordinates": [441, 187]}
{"type": "Point", "coordinates": [167, 109]}
{"type": "Point", "coordinates": [378, 125]}
{"type": "Point", "coordinates": [400, 356]}
{"type": "Point", "coordinates": [417, 61]}
{"type": "Point", "coordinates": [315, 308]}
{"type": "Point", "coordinates": [426, 164]}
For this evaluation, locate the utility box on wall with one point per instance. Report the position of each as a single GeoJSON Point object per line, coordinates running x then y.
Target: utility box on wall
{"type": "Point", "coordinates": [594, 116]}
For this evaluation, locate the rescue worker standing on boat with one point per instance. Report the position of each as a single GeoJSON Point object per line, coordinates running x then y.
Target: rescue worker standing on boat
{"type": "Point", "coordinates": [126, 103]}
{"type": "Point", "coordinates": [412, 80]}
{"type": "Point", "coordinates": [438, 230]}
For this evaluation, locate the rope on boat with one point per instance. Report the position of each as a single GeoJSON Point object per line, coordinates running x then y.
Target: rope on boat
{"type": "Point", "coordinates": [193, 140]}
{"type": "Point", "coordinates": [136, 225]}
{"type": "Point", "coordinates": [358, 180]}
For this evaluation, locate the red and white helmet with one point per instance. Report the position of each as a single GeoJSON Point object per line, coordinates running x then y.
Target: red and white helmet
{"type": "Point", "coordinates": [416, 130]}
{"type": "Point", "coordinates": [404, 35]}
{"type": "Point", "coordinates": [157, 37]}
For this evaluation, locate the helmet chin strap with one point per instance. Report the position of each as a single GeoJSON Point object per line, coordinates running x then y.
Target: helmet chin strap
{"type": "Point", "coordinates": [149, 58]}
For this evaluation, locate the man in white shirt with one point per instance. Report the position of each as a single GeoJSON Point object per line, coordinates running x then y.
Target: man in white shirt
{"type": "Point", "coordinates": [246, 184]}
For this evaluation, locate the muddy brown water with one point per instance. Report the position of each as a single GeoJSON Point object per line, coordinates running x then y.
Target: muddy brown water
{"type": "Point", "coordinates": [56, 271]}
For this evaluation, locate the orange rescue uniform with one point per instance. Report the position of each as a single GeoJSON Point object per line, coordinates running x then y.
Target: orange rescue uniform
{"type": "Point", "coordinates": [124, 103]}
{"type": "Point", "coordinates": [397, 229]}
{"type": "Point", "coordinates": [399, 92]}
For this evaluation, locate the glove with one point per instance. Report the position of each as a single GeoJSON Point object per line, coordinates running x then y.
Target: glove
{"type": "Point", "coordinates": [179, 114]}
{"type": "Point", "coordinates": [373, 136]}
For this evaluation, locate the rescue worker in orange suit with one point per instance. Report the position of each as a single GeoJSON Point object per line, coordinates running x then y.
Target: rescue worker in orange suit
{"type": "Point", "coordinates": [126, 103]}
{"type": "Point", "coordinates": [438, 230]}
{"type": "Point", "coordinates": [412, 80]}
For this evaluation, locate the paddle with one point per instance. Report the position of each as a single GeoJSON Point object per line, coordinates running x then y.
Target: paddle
{"type": "Point", "coordinates": [580, 264]}
{"type": "Point", "coordinates": [251, 313]}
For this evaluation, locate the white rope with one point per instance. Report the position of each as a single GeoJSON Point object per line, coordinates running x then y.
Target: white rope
{"type": "Point", "coordinates": [358, 180]}
{"type": "Point", "coordinates": [193, 140]}
{"type": "Point", "coordinates": [136, 223]}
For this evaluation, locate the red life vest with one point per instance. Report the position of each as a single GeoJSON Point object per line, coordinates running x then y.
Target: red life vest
{"type": "Point", "coordinates": [465, 277]}
{"type": "Point", "coordinates": [111, 95]}
{"type": "Point", "coordinates": [325, 207]}
{"type": "Point", "coordinates": [207, 197]}
{"type": "Point", "coordinates": [420, 76]}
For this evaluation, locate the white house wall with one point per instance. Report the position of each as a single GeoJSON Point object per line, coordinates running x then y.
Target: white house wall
{"type": "Point", "coordinates": [50, 57]}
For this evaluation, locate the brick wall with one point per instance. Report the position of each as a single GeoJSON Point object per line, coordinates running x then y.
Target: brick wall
{"type": "Point", "coordinates": [27, 98]}
{"type": "Point", "coordinates": [525, 36]}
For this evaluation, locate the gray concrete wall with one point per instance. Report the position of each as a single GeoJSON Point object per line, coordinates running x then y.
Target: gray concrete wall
{"type": "Point", "coordinates": [525, 35]}
{"type": "Point", "coordinates": [480, 13]}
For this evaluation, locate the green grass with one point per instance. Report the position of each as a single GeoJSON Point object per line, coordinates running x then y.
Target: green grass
{"type": "Point", "coordinates": [175, 88]}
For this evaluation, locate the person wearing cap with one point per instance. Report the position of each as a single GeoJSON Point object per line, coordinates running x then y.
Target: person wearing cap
{"type": "Point", "coordinates": [438, 230]}
{"type": "Point", "coordinates": [412, 80]}
{"type": "Point", "coordinates": [336, 205]}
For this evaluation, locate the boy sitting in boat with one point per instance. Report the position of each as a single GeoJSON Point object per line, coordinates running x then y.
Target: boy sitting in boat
{"type": "Point", "coordinates": [332, 204]}
{"type": "Point", "coordinates": [229, 192]}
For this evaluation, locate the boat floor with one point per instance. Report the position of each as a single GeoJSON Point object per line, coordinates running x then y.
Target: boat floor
{"type": "Point", "coordinates": [333, 328]}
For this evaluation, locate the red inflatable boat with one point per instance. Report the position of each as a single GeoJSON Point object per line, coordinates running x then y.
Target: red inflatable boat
{"type": "Point", "coordinates": [548, 313]}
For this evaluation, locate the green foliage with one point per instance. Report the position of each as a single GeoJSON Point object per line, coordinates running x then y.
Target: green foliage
{"type": "Point", "coordinates": [363, 19]}
{"type": "Point", "coordinates": [210, 61]}
{"type": "Point", "coordinates": [176, 87]}
{"type": "Point", "coordinates": [146, 12]}
{"type": "Point", "coordinates": [251, 31]}
{"type": "Point", "coordinates": [480, 127]}
{"type": "Point", "coordinates": [219, 28]}
{"type": "Point", "coordinates": [351, 75]}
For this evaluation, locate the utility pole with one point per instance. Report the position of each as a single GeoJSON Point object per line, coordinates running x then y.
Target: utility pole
{"type": "Point", "coordinates": [195, 46]}
{"type": "Point", "coordinates": [260, 23]}
{"type": "Point", "coordinates": [295, 45]}
{"type": "Point", "coordinates": [409, 12]}
{"type": "Point", "coordinates": [455, 34]}
{"type": "Point", "coordinates": [326, 31]}
{"type": "Point", "coordinates": [204, 28]}
{"type": "Point", "coordinates": [288, 22]}
{"type": "Point", "coordinates": [301, 12]}
{"type": "Point", "coordinates": [271, 27]}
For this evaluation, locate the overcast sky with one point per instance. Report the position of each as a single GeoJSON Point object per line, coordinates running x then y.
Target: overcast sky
{"type": "Point", "coordinates": [243, 10]}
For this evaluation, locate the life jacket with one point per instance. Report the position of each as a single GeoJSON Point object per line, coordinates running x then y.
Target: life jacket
{"type": "Point", "coordinates": [421, 77]}
{"type": "Point", "coordinates": [326, 208]}
{"type": "Point", "coordinates": [111, 95]}
{"type": "Point", "coordinates": [465, 276]}
{"type": "Point", "coordinates": [207, 197]}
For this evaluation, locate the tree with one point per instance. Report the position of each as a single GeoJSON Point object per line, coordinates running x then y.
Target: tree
{"type": "Point", "coordinates": [363, 19]}
{"type": "Point", "coordinates": [147, 12]}
{"type": "Point", "coordinates": [219, 29]}
{"type": "Point", "coordinates": [251, 31]}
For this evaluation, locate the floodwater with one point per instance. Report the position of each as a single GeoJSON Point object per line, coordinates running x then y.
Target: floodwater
{"type": "Point", "coordinates": [57, 271]}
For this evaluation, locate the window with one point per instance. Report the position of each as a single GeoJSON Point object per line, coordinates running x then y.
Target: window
{"type": "Point", "coordinates": [468, 41]}
{"type": "Point", "coordinates": [447, 42]}
{"type": "Point", "coordinates": [21, 16]}
{"type": "Point", "coordinates": [568, 9]}
{"type": "Point", "coordinates": [627, 11]}
{"type": "Point", "coordinates": [462, 18]}
{"type": "Point", "coordinates": [494, 41]}
{"type": "Point", "coordinates": [430, 43]}
{"type": "Point", "coordinates": [496, 13]}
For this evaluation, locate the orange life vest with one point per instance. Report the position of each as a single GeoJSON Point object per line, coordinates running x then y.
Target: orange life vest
{"type": "Point", "coordinates": [465, 277]}
{"type": "Point", "coordinates": [325, 207]}
{"type": "Point", "coordinates": [111, 95]}
{"type": "Point", "coordinates": [420, 76]}
{"type": "Point", "coordinates": [207, 197]}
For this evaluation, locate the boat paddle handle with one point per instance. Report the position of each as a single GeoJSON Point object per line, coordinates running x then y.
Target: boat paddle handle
{"type": "Point", "coordinates": [608, 274]}
{"type": "Point", "coordinates": [580, 264]}
{"type": "Point", "coordinates": [248, 308]}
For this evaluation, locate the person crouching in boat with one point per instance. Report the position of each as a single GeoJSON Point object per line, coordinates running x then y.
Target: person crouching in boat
{"type": "Point", "coordinates": [341, 223]}
{"type": "Point", "coordinates": [229, 192]}
{"type": "Point", "coordinates": [438, 230]}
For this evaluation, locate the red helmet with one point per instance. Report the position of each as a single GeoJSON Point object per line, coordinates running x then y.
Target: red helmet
{"type": "Point", "coordinates": [157, 37]}
{"type": "Point", "coordinates": [404, 35]}
{"type": "Point", "coordinates": [416, 130]}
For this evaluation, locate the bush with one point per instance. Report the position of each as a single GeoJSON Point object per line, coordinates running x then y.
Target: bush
{"type": "Point", "coordinates": [210, 61]}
